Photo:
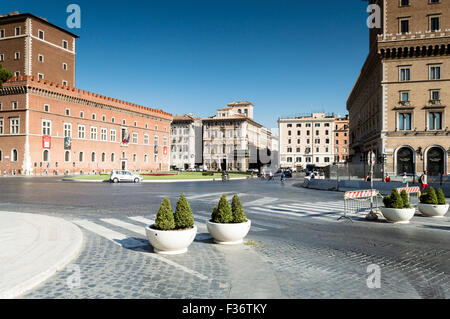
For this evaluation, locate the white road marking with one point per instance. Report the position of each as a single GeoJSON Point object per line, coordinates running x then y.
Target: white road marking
{"type": "Point", "coordinates": [204, 195]}
{"type": "Point", "coordinates": [299, 214]}
{"type": "Point", "coordinates": [205, 219]}
{"type": "Point", "coordinates": [134, 228]}
{"type": "Point", "coordinates": [115, 237]}
{"type": "Point", "coordinates": [143, 220]}
{"type": "Point", "coordinates": [262, 201]}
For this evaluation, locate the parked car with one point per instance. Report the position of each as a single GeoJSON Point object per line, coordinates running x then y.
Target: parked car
{"type": "Point", "coordinates": [253, 170]}
{"type": "Point", "coordinates": [125, 176]}
{"type": "Point", "coordinates": [288, 173]}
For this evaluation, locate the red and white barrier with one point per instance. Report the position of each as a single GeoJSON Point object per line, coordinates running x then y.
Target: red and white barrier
{"type": "Point", "coordinates": [360, 194]}
{"type": "Point", "coordinates": [409, 190]}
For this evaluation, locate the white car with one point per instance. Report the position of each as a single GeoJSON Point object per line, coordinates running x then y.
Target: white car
{"type": "Point", "coordinates": [125, 176]}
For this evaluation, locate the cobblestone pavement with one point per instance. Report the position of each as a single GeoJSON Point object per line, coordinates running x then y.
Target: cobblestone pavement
{"type": "Point", "coordinates": [296, 248]}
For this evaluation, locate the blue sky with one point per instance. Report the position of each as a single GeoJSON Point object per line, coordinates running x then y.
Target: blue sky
{"type": "Point", "coordinates": [195, 56]}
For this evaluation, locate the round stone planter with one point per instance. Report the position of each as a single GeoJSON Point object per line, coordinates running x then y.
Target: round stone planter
{"type": "Point", "coordinates": [170, 242]}
{"type": "Point", "coordinates": [431, 210]}
{"type": "Point", "coordinates": [229, 234]}
{"type": "Point", "coordinates": [398, 216]}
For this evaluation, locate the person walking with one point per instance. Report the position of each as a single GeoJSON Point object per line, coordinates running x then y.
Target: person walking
{"type": "Point", "coordinates": [424, 180]}
{"type": "Point", "coordinates": [387, 179]}
{"type": "Point", "coordinates": [405, 180]}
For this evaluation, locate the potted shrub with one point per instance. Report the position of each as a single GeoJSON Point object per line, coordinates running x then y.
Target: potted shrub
{"type": "Point", "coordinates": [397, 208]}
{"type": "Point", "coordinates": [433, 204]}
{"type": "Point", "coordinates": [229, 225]}
{"type": "Point", "coordinates": [172, 233]}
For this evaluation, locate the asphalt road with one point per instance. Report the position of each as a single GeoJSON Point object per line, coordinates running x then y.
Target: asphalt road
{"type": "Point", "coordinates": [296, 243]}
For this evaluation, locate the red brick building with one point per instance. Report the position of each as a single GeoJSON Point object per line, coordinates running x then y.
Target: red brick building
{"type": "Point", "coordinates": [47, 126]}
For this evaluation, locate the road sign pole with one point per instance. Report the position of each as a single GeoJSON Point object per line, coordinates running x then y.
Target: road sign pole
{"type": "Point", "coordinates": [371, 215]}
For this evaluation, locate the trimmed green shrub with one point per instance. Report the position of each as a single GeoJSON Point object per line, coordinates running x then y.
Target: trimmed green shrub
{"type": "Point", "coordinates": [394, 200]}
{"type": "Point", "coordinates": [183, 214]}
{"type": "Point", "coordinates": [222, 213]}
{"type": "Point", "coordinates": [405, 199]}
{"type": "Point", "coordinates": [238, 212]}
{"type": "Point", "coordinates": [164, 218]}
{"type": "Point", "coordinates": [441, 197]}
{"type": "Point", "coordinates": [208, 173]}
{"type": "Point", "coordinates": [430, 197]}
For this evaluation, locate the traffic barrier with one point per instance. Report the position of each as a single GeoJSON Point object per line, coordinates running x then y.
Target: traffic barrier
{"type": "Point", "coordinates": [361, 201]}
{"type": "Point", "coordinates": [413, 194]}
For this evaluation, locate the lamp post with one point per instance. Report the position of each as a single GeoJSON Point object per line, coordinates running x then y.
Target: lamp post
{"type": "Point", "coordinates": [371, 161]}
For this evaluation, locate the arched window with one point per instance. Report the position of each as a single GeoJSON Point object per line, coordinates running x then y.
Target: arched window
{"type": "Point", "coordinates": [405, 161]}
{"type": "Point", "coordinates": [67, 156]}
{"type": "Point", "coordinates": [145, 158]}
{"type": "Point", "coordinates": [93, 157]}
{"type": "Point", "coordinates": [435, 161]}
{"type": "Point", "coordinates": [113, 157]}
{"type": "Point", "coordinates": [14, 156]}
{"type": "Point", "coordinates": [103, 157]}
{"type": "Point", "coordinates": [45, 156]}
{"type": "Point", "coordinates": [81, 157]}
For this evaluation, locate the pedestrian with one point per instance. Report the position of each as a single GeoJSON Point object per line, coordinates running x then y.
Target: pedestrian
{"type": "Point", "coordinates": [405, 180]}
{"type": "Point", "coordinates": [424, 180]}
{"type": "Point", "coordinates": [368, 179]}
{"type": "Point", "coordinates": [283, 176]}
{"type": "Point", "coordinates": [387, 179]}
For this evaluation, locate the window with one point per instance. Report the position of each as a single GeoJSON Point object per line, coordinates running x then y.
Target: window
{"type": "Point", "coordinates": [404, 25]}
{"type": "Point", "coordinates": [45, 156]}
{"type": "Point", "coordinates": [46, 127]}
{"type": "Point", "coordinates": [16, 55]}
{"type": "Point", "coordinates": [289, 159]}
{"type": "Point", "coordinates": [2, 57]}
{"type": "Point", "coordinates": [113, 135]}
{"type": "Point", "coordinates": [146, 139]}
{"type": "Point", "coordinates": [113, 157]}
{"type": "Point", "coordinates": [17, 31]}
{"type": "Point", "coordinates": [14, 155]}
{"type": "Point", "coordinates": [289, 125]}
{"type": "Point", "coordinates": [135, 138]}
{"type": "Point", "coordinates": [41, 34]}
{"type": "Point", "coordinates": [67, 130]}
{"type": "Point", "coordinates": [1, 125]}
{"type": "Point", "coordinates": [289, 149]}
{"type": "Point", "coordinates": [82, 114]}
{"type": "Point", "coordinates": [93, 116]}
{"type": "Point", "coordinates": [404, 96]}
{"type": "Point", "coordinates": [67, 112]}
{"type": "Point", "coordinates": [67, 156]}
{"type": "Point", "coordinates": [317, 125]}
{"type": "Point", "coordinates": [124, 122]}
{"type": "Point", "coordinates": [14, 125]}
{"type": "Point", "coordinates": [103, 157]}
{"type": "Point", "coordinates": [2, 33]}
{"type": "Point", "coordinates": [435, 95]}
{"type": "Point", "coordinates": [40, 58]}
{"type": "Point", "coordinates": [65, 44]}
{"type": "Point", "coordinates": [93, 133]}
{"type": "Point", "coordinates": [135, 124]}
{"type": "Point", "coordinates": [404, 3]}
{"type": "Point", "coordinates": [40, 76]}
{"type": "Point", "coordinates": [435, 23]}
{"type": "Point", "coordinates": [15, 105]}
{"type": "Point", "coordinates": [81, 157]}
{"type": "Point", "coordinates": [299, 125]}
{"type": "Point", "coordinates": [113, 120]}
{"type": "Point", "coordinates": [405, 74]}
{"type": "Point", "coordinates": [103, 134]}
{"type": "Point", "coordinates": [435, 72]}
{"type": "Point", "coordinates": [103, 118]}
{"type": "Point", "coordinates": [145, 158]}
{"type": "Point", "coordinates": [435, 121]}
{"type": "Point", "coordinates": [17, 73]}
{"type": "Point", "coordinates": [93, 157]}
{"type": "Point", "coordinates": [134, 158]}
{"type": "Point", "coordinates": [46, 108]}
{"type": "Point", "coordinates": [404, 121]}
{"type": "Point", "coordinates": [81, 131]}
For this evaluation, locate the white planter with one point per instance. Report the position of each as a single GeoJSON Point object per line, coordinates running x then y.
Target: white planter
{"type": "Point", "coordinates": [229, 234]}
{"type": "Point", "coordinates": [170, 242]}
{"type": "Point", "coordinates": [398, 216]}
{"type": "Point", "coordinates": [431, 210]}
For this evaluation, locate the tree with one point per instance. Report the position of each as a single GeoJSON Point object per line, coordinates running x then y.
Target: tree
{"type": "Point", "coordinates": [5, 75]}
{"type": "Point", "coordinates": [222, 213]}
{"type": "Point", "coordinates": [441, 197]}
{"type": "Point", "coordinates": [183, 214]}
{"type": "Point", "coordinates": [430, 197]}
{"type": "Point", "coordinates": [238, 212]}
{"type": "Point", "coordinates": [164, 218]}
{"type": "Point", "coordinates": [405, 199]}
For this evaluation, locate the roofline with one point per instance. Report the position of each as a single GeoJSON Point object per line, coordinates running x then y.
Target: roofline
{"type": "Point", "coordinates": [30, 15]}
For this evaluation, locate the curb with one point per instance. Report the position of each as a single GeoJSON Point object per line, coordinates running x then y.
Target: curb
{"type": "Point", "coordinates": [156, 181]}
{"type": "Point", "coordinates": [70, 253]}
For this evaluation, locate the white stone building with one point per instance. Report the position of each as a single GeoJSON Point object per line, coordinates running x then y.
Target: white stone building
{"type": "Point", "coordinates": [186, 142]}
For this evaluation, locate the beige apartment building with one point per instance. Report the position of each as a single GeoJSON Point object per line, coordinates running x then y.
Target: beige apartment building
{"type": "Point", "coordinates": [232, 140]}
{"type": "Point", "coordinates": [399, 104]}
{"type": "Point", "coordinates": [308, 140]}
{"type": "Point", "coordinates": [341, 146]}
{"type": "Point", "coordinates": [186, 141]}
